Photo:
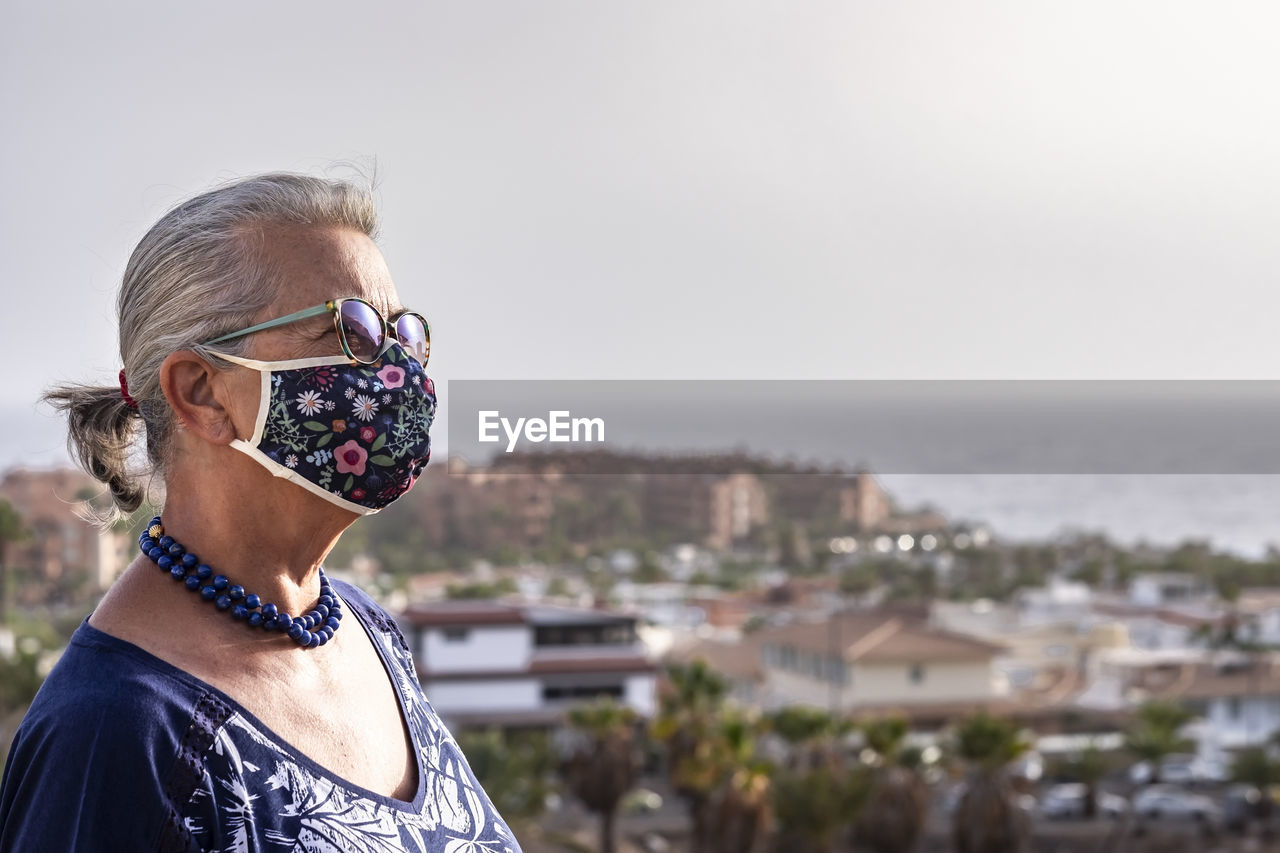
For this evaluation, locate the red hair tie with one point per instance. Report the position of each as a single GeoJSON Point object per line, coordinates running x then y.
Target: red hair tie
{"type": "Point", "coordinates": [124, 392]}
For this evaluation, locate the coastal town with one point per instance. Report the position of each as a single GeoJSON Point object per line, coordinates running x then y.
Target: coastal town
{"type": "Point", "coordinates": [727, 653]}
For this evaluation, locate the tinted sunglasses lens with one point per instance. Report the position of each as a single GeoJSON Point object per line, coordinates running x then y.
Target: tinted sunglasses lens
{"type": "Point", "coordinates": [414, 336]}
{"type": "Point", "coordinates": [362, 327]}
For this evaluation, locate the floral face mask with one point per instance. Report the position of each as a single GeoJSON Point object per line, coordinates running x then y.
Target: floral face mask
{"type": "Point", "coordinates": [356, 435]}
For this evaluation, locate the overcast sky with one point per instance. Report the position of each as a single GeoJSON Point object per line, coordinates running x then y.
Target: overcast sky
{"type": "Point", "coordinates": [683, 189]}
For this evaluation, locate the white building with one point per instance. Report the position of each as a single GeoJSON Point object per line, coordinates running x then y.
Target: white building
{"type": "Point", "coordinates": [864, 661]}
{"type": "Point", "coordinates": [482, 662]}
{"type": "Point", "coordinates": [1168, 589]}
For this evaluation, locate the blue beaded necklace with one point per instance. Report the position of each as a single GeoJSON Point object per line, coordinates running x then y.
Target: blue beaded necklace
{"type": "Point", "coordinates": [245, 607]}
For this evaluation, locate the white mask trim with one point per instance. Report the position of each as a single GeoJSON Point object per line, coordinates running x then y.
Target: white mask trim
{"type": "Point", "coordinates": [314, 361]}
{"type": "Point", "coordinates": [250, 447]}
{"type": "Point", "coordinates": [278, 470]}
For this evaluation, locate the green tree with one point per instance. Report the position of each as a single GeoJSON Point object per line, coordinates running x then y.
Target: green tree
{"type": "Point", "coordinates": [988, 818]}
{"type": "Point", "coordinates": [515, 770]}
{"type": "Point", "coordinates": [687, 723]}
{"type": "Point", "coordinates": [1087, 767]}
{"type": "Point", "coordinates": [740, 808]}
{"type": "Point", "coordinates": [898, 800]}
{"type": "Point", "coordinates": [1255, 767]}
{"type": "Point", "coordinates": [11, 530]}
{"type": "Point", "coordinates": [1153, 734]}
{"type": "Point", "coordinates": [602, 761]}
{"type": "Point", "coordinates": [819, 791]}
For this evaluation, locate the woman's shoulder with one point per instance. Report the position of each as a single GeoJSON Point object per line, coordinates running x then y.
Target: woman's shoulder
{"type": "Point", "coordinates": [108, 710]}
{"type": "Point", "coordinates": [110, 683]}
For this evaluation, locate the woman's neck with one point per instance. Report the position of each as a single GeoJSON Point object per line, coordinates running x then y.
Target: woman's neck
{"type": "Point", "coordinates": [272, 544]}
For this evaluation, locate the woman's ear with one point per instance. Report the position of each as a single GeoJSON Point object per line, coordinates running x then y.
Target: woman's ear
{"type": "Point", "coordinates": [201, 396]}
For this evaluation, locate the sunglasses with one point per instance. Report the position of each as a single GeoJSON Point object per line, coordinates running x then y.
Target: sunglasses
{"type": "Point", "coordinates": [363, 332]}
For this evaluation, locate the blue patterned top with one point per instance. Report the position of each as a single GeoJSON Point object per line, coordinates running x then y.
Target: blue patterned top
{"type": "Point", "coordinates": [122, 751]}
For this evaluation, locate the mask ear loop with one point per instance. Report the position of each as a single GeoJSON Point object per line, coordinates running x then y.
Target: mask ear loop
{"type": "Point", "coordinates": [314, 361]}
{"type": "Point", "coordinates": [250, 447]}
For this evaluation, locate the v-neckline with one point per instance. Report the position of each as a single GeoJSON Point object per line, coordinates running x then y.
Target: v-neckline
{"type": "Point", "coordinates": [414, 807]}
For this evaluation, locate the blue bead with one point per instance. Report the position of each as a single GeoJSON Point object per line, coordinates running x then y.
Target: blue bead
{"type": "Point", "coordinates": [322, 639]}
{"type": "Point", "coordinates": [165, 542]}
{"type": "Point", "coordinates": [269, 624]}
{"type": "Point", "coordinates": [283, 621]}
{"type": "Point", "coordinates": [269, 611]}
{"type": "Point", "coordinates": [308, 622]}
{"type": "Point", "coordinates": [222, 602]}
{"type": "Point", "coordinates": [208, 593]}
{"type": "Point", "coordinates": [239, 612]}
{"type": "Point", "coordinates": [220, 583]}
{"type": "Point", "coordinates": [252, 601]}
{"type": "Point", "coordinates": [156, 553]}
{"type": "Point", "coordinates": [204, 573]}
{"type": "Point", "coordinates": [236, 592]}
{"type": "Point", "coordinates": [326, 600]}
{"type": "Point", "coordinates": [177, 573]}
{"type": "Point", "coordinates": [165, 562]}
{"type": "Point", "coordinates": [146, 544]}
{"type": "Point", "coordinates": [312, 640]}
{"type": "Point", "coordinates": [335, 613]}
{"type": "Point", "coordinates": [255, 619]}
{"type": "Point", "coordinates": [189, 561]}
{"type": "Point", "coordinates": [325, 632]}
{"type": "Point", "coordinates": [176, 550]}
{"type": "Point", "coordinates": [296, 631]}
{"type": "Point", "coordinates": [322, 611]}
{"type": "Point", "coordinates": [331, 623]}
{"type": "Point", "coordinates": [193, 583]}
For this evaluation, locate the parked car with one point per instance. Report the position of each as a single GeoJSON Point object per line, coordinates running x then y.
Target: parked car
{"type": "Point", "coordinates": [1068, 800]}
{"type": "Point", "coordinates": [1181, 769]}
{"type": "Point", "coordinates": [952, 796]}
{"type": "Point", "coordinates": [1172, 801]}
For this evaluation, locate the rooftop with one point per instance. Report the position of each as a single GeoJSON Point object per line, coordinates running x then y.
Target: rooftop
{"type": "Point", "coordinates": [881, 638]}
{"type": "Point", "coordinates": [486, 612]}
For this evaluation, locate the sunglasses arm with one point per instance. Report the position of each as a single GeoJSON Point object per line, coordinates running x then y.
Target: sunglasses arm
{"type": "Point", "coordinates": [304, 314]}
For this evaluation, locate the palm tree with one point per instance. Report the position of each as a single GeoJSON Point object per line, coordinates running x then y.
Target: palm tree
{"type": "Point", "coordinates": [988, 818]}
{"type": "Point", "coordinates": [1088, 767]}
{"type": "Point", "coordinates": [894, 814]}
{"type": "Point", "coordinates": [1255, 767]}
{"type": "Point", "coordinates": [687, 724]}
{"type": "Point", "coordinates": [1154, 734]}
{"type": "Point", "coordinates": [740, 809]}
{"type": "Point", "coordinates": [513, 769]}
{"type": "Point", "coordinates": [819, 792]}
{"type": "Point", "coordinates": [601, 762]}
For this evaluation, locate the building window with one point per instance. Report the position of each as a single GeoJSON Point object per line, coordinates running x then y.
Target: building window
{"type": "Point", "coordinates": [456, 635]}
{"type": "Point", "coordinates": [916, 674]}
{"type": "Point", "coordinates": [577, 692]}
{"type": "Point", "coordinates": [618, 634]}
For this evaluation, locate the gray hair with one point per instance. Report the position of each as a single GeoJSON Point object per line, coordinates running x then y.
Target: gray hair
{"type": "Point", "coordinates": [201, 271]}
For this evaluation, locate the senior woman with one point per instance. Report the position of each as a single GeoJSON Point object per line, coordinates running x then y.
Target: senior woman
{"type": "Point", "coordinates": [226, 694]}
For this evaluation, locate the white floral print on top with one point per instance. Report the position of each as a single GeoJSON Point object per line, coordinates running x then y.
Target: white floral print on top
{"type": "Point", "coordinates": [255, 793]}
